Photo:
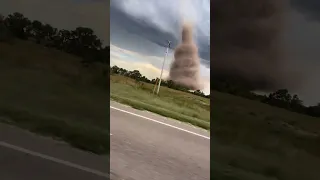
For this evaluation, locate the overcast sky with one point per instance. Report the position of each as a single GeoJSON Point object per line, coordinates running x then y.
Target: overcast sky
{"type": "Point", "coordinates": [140, 30]}
{"type": "Point", "coordinates": [64, 14]}
{"type": "Point", "coordinates": [144, 26]}
{"type": "Point", "coordinates": [302, 42]}
{"type": "Point", "coordinates": [158, 21]}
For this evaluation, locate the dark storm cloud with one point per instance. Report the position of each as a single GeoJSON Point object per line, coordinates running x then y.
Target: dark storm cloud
{"type": "Point", "coordinates": [269, 45]}
{"type": "Point", "coordinates": [310, 8]}
{"type": "Point", "coordinates": [123, 22]}
{"type": "Point", "coordinates": [248, 42]}
{"type": "Point", "coordinates": [64, 14]}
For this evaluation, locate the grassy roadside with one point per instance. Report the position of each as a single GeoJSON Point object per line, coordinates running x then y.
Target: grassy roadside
{"type": "Point", "coordinates": [255, 141]}
{"type": "Point", "coordinates": [161, 111]}
{"type": "Point", "coordinates": [79, 135]}
{"type": "Point", "coordinates": [48, 92]}
{"type": "Point", "coordinates": [170, 103]}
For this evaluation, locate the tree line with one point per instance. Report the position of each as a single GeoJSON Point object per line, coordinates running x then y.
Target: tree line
{"type": "Point", "coordinates": [84, 43]}
{"type": "Point", "coordinates": [81, 41]}
{"type": "Point", "coordinates": [280, 98]}
{"type": "Point", "coordinates": [136, 75]}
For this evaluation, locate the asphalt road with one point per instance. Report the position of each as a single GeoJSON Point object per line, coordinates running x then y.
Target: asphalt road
{"type": "Point", "coordinates": [144, 146]}
{"type": "Point", "coordinates": [155, 148]}
{"type": "Point", "coordinates": [26, 156]}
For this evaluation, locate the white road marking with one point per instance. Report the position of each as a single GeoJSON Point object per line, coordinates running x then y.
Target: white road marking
{"type": "Point", "coordinates": [169, 125]}
{"type": "Point", "coordinates": [56, 160]}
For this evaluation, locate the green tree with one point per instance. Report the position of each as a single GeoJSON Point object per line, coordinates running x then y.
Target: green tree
{"type": "Point", "coordinates": [5, 35]}
{"type": "Point", "coordinates": [18, 25]}
{"type": "Point", "coordinates": [36, 30]}
{"type": "Point", "coordinates": [314, 110]}
{"type": "Point", "coordinates": [122, 71]}
{"type": "Point", "coordinates": [49, 33]}
{"type": "Point", "coordinates": [170, 84]}
{"type": "Point", "coordinates": [280, 98]}
{"type": "Point", "coordinates": [115, 69]}
{"type": "Point", "coordinates": [281, 95]}
{"type": "Point", "coordinates": [199, 93]}
{"type": "Point", "coordinates": [83, 39]}
{"type": "Point", "coordinates": [62, 40]}
{"type": "Point", "coordinates": [135, 74]}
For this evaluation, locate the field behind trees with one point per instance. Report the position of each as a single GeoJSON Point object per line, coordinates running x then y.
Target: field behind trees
{"type": "Point", "coordinates": [53, 81]}
{"type": "Point", "coordinates": [250, 140]}
{"type": "Point", "coordinates": [52, 84]}
{"type": "Point", "coordinates": [179, 105]}
{"type": "Point", "coordinates": [50, 92]}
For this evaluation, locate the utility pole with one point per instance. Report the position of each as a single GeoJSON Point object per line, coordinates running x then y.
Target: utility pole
{"type": "Point", "coordinates": [155, 86]}
{"type": "Point", "coordinates": [164, 60]}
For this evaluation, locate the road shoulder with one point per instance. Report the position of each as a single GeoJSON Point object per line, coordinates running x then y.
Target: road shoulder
{"type": "Point", "coordinates": [171, 122]}
{"type": "Point", "coordinates": [50, 147]}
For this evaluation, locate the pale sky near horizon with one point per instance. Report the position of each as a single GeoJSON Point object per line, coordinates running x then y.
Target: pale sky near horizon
{"type": "Point", "coordinates": [302, 32]}
{"type": "Point", "coordinates": [64, 14]}
{"type": "Point", "coordinates": [69, 14]}
{"type": "Point", "coordinates": [148, 65]}
{"type": "Point", "coordinates": [140, 29]}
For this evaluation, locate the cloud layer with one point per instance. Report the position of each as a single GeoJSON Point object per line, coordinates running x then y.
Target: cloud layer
{"type": "Point", "coordinates": [159, 21]}
{"type": "Point", "coordinates": [140, 30]}
{"type": "Point", "coordinates": [64, 14]}
{"type": "Point", "coordinates": [310, 8]}
{"type": "Point", "coordinates": [150, 66]}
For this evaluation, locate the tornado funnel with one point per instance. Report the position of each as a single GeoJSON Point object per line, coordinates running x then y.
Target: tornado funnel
{"type": "Point", "coordinates": [185, 67]}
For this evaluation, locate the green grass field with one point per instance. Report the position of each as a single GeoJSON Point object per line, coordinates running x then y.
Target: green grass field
{"type": "Point", "coordinates": [49, 92]}
{"type": "Point", "coordinates": [254, 141]}
{"type": "Point", "coordinates": [250, 140]}
{"type": "Point", "coordinates": [170, 103]}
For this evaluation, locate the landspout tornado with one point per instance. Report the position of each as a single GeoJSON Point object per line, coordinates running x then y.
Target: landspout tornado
{"type": "Point", "coordinates": [186, 64]}
{"type": "Point", "coordinates": [248, 43]}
